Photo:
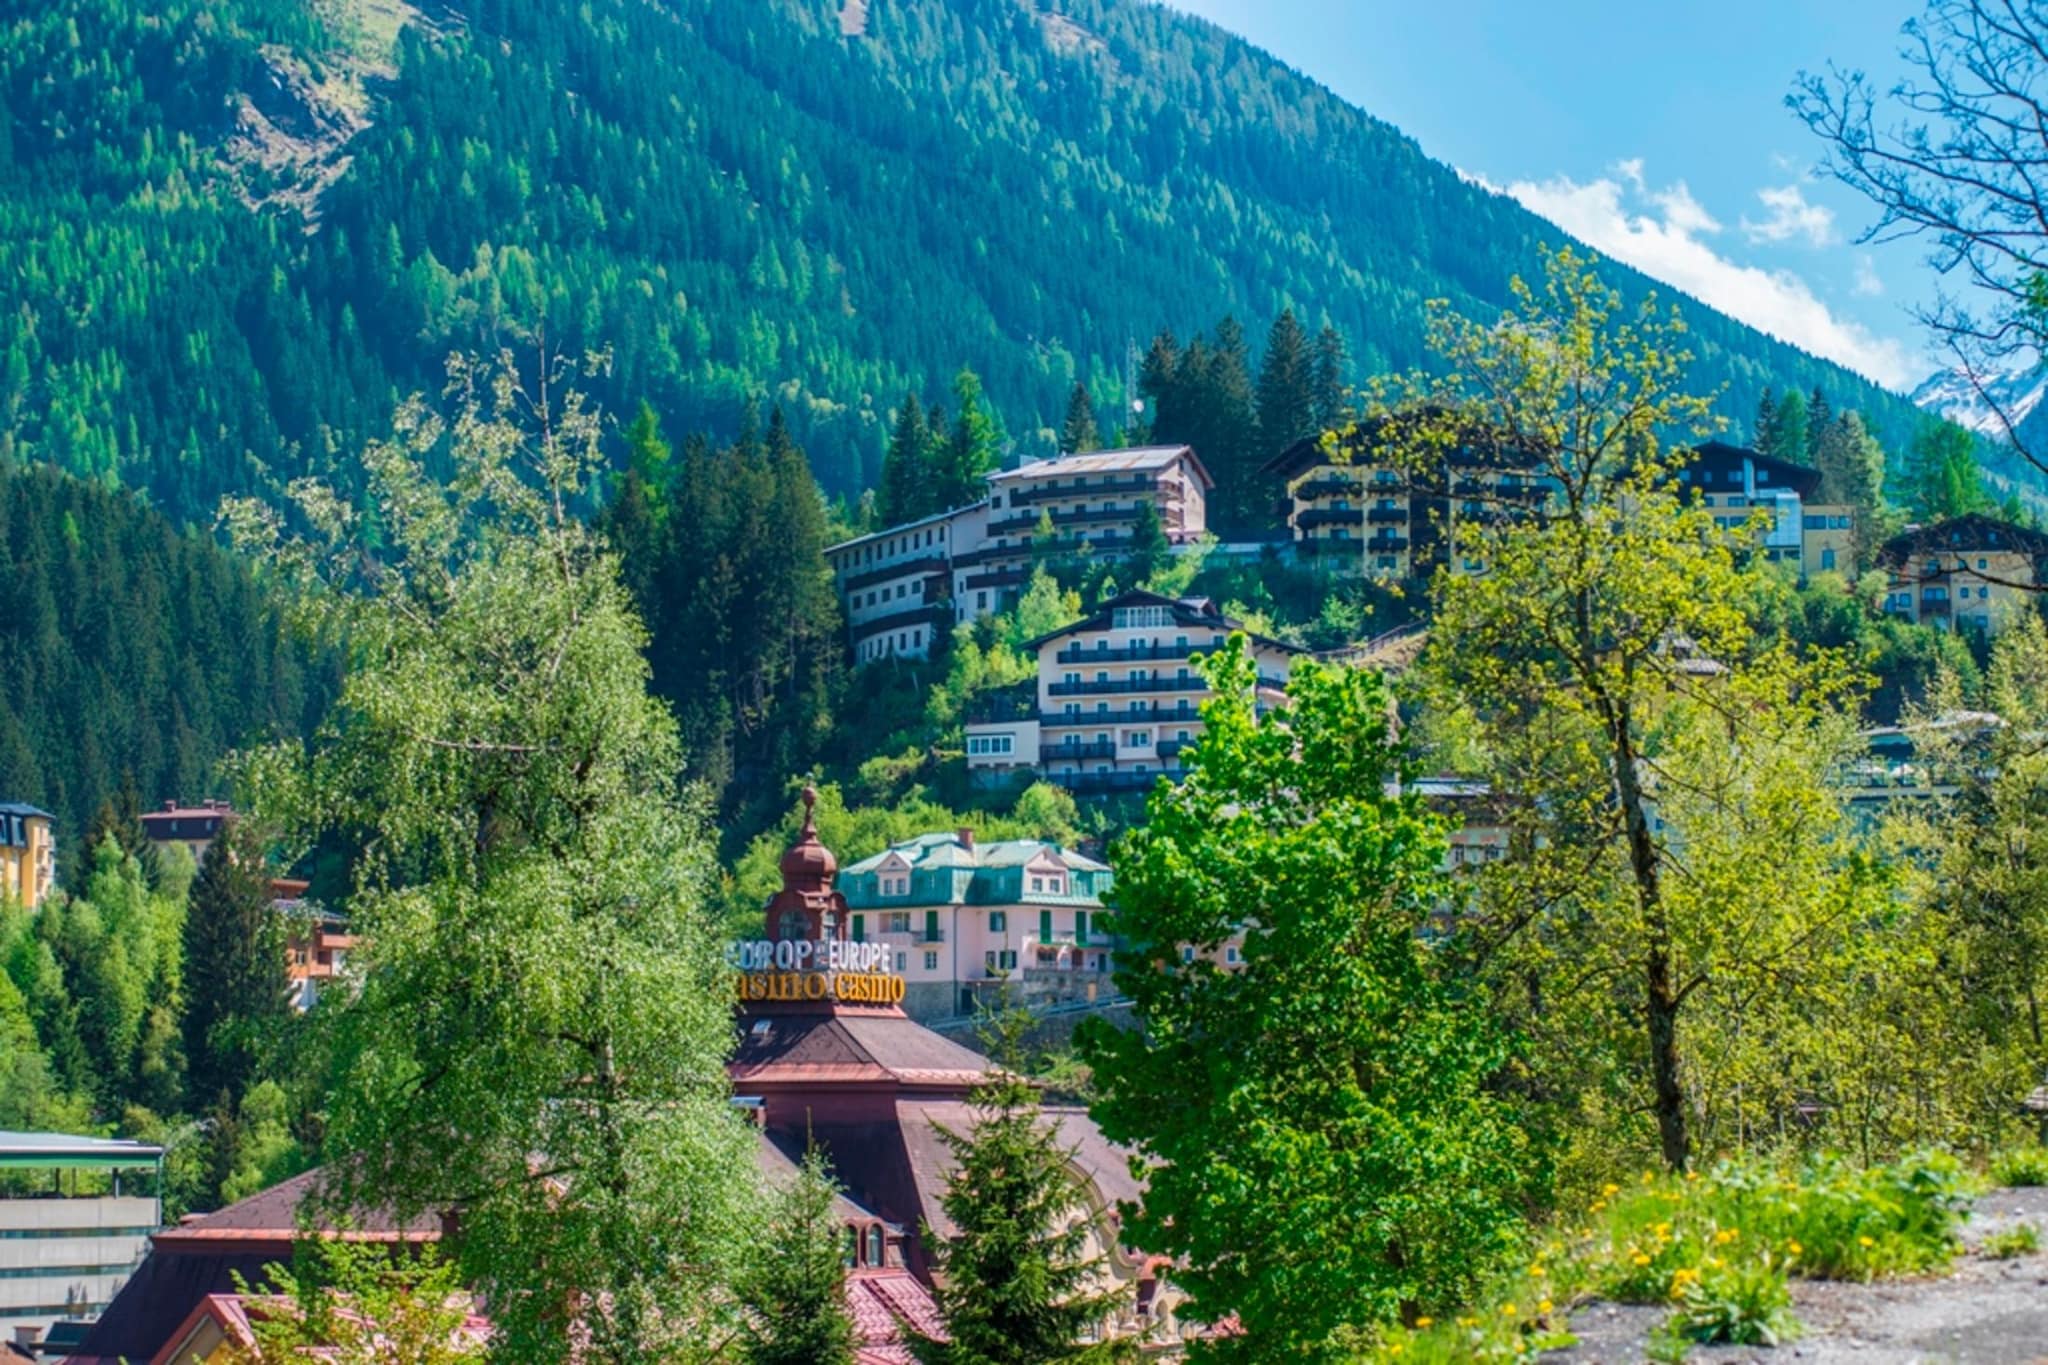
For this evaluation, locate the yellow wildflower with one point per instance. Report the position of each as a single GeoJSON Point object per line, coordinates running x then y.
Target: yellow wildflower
{"type": "Point", "coordinates": [1649, 1177]}
{"type": "Point", "coordinates": [1536, 1271]}
{"type": "Point", "coordinates": [1865, 1242]}
{"type": "Point", "coordinates": [1424, 1322]}
{"type": "Point", "coordinates": [1599, 1204]}
{"type": "Point", "coordinates": [1543, 1307]}
{"type": "Point", "coordinates": [1726, 1235]}
{"type": "Point", "coordinates": [1639, 1259]}
{"type": "Point", "coordinates": [1610, 1190]}
{"type": "Point", "coordinates": [1794, 1247]}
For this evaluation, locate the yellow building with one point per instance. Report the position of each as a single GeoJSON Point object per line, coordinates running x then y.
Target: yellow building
{"type": "Point", "coordinates": [1967, 573]}
{"type": "Point", "coordinates": [28, 853]}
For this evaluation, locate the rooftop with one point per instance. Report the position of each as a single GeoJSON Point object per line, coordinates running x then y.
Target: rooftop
{"type": "Point", "coordinates": [947, 850]}
{"type": "Point", "coordinates": [24, 810]}
{"type": "Point", "coordinates": [1137, 459]}
{"type": "Point", "coordinates": [898, 529]}
{"type": "Point", "coordinates": [43, 1151]}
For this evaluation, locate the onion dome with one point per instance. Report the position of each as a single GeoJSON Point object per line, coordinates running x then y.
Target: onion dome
{"type": "Point", "coordinates": [807, 865]}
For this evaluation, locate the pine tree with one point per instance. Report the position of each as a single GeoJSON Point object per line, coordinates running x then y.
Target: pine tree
{"type": "Point", "coordinates": [1790, 443]}
{"type": "Point", "coordinates": [1157, 378]}
{"type": "Point", "coordinates": [1764, 437]}
{"type": "Point", "coordinates": [975, 447]}
{"type": "Point", "coordinates": [1851, 465]}
{"type": "Point", "coordinates": [795, 1291]}
{"type": "Point", "coordinates": [1013, 1289]}
{"type": "Point", "coordinates": [1230, 428]}
{"type": "Point", "coordinates": [1150, 548]}
{"type": "Point", "coordinates": [1818, 419]}
{"type": "Point", "coordinates": [906, 471]}
{"type": "Point", "coordinates": [235, 982]}
{"type": "Point", "coordinates": [1332, 364]}
{"type": "Point", "coordinates": [1077, 431]}
{"type": "Point", "coordinates": [1287, 387]}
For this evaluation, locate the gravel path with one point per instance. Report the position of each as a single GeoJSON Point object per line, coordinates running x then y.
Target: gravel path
{"type": "Point", "coordinates": [1994, 1312]}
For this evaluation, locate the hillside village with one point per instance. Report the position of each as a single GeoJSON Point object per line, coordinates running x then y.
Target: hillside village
{"type": "Point", "coordinates": [682, 690]}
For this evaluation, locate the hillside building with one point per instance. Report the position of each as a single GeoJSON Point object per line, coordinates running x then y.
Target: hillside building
{"type": "Point", "coordinates": [902, 586]}
{"type": "Point", "coordinates": [71, 1234]}
{"type": "Point", "coordinates": [1968, 573]}
{"type": "Point", "coordinates": [1117, 699]}
{"type": "Point", "coordinates": [28, 853]}
{"type": "Point", "coordinates": [1348, 511]}
{"type": "Point", "coordinates": [965, 921]}
{"type": "Point", "coordinates": [195, 827]}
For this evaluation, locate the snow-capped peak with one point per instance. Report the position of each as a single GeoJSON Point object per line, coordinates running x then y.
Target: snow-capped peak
{"type": "Point", "coordinates": [2015, 394]}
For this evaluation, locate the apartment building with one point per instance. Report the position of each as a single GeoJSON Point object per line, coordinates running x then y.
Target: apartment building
{"type": "Point", "coordinates": [1738, 483]}
{"type": "Point", "coordinates": [76, 1215]}
{"type": "Point", "coordinates": [903, 586]}
{"type": "Point", "coordinates": [1117, 700]}
{"type": "Point", "coordinates": [966, 920]}
{"type": "Point", "coordinates": [1968, 573]}
{"type": "Point", "coordinates": [195, 827]}
{"type": "Point", "coordinates": [28, 853]}
{"type": "Point", "coordinates": [1350, 511]}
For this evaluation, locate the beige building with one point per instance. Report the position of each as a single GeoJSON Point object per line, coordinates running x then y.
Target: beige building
{"type": "Point", "coordinates": [1744, 487]}
{"type": "Point", "coordinates": [1117, 699]}
{"type": "Point", "coordinates": [901, 587]}
{"type": "Point", "coordinates": [28, 853]}
{"type": "Point", "coordinates": [195, 827]}
{"type": "Point", "coordinates": [1968, 573]}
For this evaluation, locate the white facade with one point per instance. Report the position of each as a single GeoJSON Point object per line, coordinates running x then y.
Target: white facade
{"type": "Point", "coordinates": [902, 586]}
{"type": "Point", "coordinates": [64, 1254]}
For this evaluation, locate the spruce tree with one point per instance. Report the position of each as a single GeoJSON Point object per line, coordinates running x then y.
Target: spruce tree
{"type": "Point", "coordinates": [905, 467]}
{"type": "Point", "coordinates": [235, 979]}
{"type": "Point", "coordinates": [1013, 1287]}
{"type": "Point", "coordinates": [1819, 417]}
{"type": "Point", "coordinates": [1158, 377]}
{"type": "Point", "coordinates": [1077, 431]}
{"type": "Point", "coordinates": [1287, 387]}
{"type": "Point", "coordinates": [1790, 443]}
{"type": "Point", "coordinates": [795, 1291]}
{"type": "Point", "coordinates": [1332, 365]}
{"type": "Point", "coordinates": [974, 449]}
{"type": "Point", "coordinates": [1230, 427]}
{"type": "Point", "coordinates": [1763, 438]}
{"type": "Point", "coordinates": [1149, 545]}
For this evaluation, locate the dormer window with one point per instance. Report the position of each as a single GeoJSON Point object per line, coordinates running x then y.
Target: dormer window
{"type": "Point", "coordinates": [896, 884]}
{"type": "Point", "coordinates": [874, 1244]}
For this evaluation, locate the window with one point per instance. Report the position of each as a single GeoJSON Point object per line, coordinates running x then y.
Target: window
{"type": "Point", "coordinates": [986, 746]}
{"type": "Point", "coordinates": [1187, 954]}
{"type": "Point", "coordinates": [896, 885]}
{"type": "Point", "coordinates": [1141, 618]}
{"type": "Point", "coordinates": [981, 601]}
{"type": "Point", "coordinates": [931, 962]}
{"type": "Point", "coordinates": [1137, 738]}
{"type": "Point", "coordinates": [852, 1246]}
{"type": "Point", "coordinates": [1080, 926]}
{"type": "Point", "coordinates": [901, 960]}
{"type": "Point", "coordinates": [1038, 883]}
{"type": "Point", "coordinates": [1827, 558]}
{"type": "Point", "coordinates": [1981, 563]}
{"type": "Point", "coordinates": [860, 928]}
{"type": "Point", "coordinates": [1010, 959]}
{"type": "Point", "coordinates": [997, 921]}
{"type": "Point", "coordinates": [1045, 926]}
{"type": "Point", "coordinates": [874, 1244]}
{"type": "Point", "coordinates": [896, 922]}
{"type": "Point", "coordinates": [1230, 954]}
{"type": "Point", "coordinates": [931, 926]}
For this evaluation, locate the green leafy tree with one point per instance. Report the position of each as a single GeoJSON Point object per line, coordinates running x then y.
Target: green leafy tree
{"type": "Point", "coordinates": [234, 947]}
{"type": "Point", "coordinates": [1043, 609]}
{"type": "Point", "coordinates": [356, 1304]}
{"type": "Point", "coordinates": [1322, 1143]}
{"type": "Point", "coordinates": [1604, 656]}
{"type": "Point", "coordinates": [1077, 428]}
{"type": "Point", "coordinates": [795, 1290]}
{"type": "Point", "coordinates": [1014, 1286]}
{"type": "Point", "coordinates": [1943, 477]}
{"type": "Point", "coordinates": [539, 1035]}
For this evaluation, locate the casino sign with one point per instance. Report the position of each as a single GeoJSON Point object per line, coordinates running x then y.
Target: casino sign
{"type": "Point", "coordinates": [820, 969]}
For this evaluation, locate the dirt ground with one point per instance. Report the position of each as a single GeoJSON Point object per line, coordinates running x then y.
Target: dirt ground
{"type": "Point", "coordinates": [1995, 1312]}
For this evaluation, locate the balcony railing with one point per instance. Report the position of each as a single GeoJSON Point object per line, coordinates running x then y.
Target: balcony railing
{"type": "Point", "coordinates": [1328, 486]}
{"type": "Point", "coordinates": [1386, 544]}
{"type": "Point", "coordinates": [1329, 516]}
{"type": "Point", "coordinates": [1081, 719]}
{"type": "Point", "coordinates": [1076, 752]}
{"type": "Point", "coordinates": [936, 613]}
{"type": "Point", "coordinates": [1027, 524]}
{"type": "Point", "coordinates": [1052, 492]}
{"type": "Point", "coordinates": [1387, 516]}
{"type": "Point", "coordinates": [1116, 780]}
{"type": "Point", "coordinates": [928, 564]}
{"type": "Point", "coordinates": [1074, 654]}
{"type": "Point", "coordinates": [1121, 686]}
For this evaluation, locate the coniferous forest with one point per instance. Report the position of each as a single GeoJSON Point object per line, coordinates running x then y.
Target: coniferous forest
{"type": "Point", "coordinates": [238, 232]}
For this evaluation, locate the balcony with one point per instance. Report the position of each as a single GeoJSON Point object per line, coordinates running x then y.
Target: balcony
{"type": "Point", "coordinates": [1329, 516]}
{"type": "Point", "coordinates": [1074, 654]}
{"type": "Point", "coordinates": [934, 613]}
{"type": "Point", "coordinates": [1328, 486]}
{"type": "Point", "coordinates": [1385, 544]}
{"type": "Point", "coordinates": [927, 564]}
{"type": "Point", "coordinates": [1081, 720]}
{"type": "Point", "coordinates": [1076, 752]}
{"type": "Point", "coordinates": [1025, 525]}
{"type": "Point", "coordinates": [1122, 686]}
{"type": "Point", "coordinates": [1009, 578]}
{"type": "Point", "coordinates": [1170, 748]}
{"type": "Point", "coordinates": [931, 934]}
{"type": "Point", "coordinates": [1116, 780]}
{"type": "Point", "coordinates": [1934, 606]}
{"type": "Point", "coordinates": [1053, 492]}
{"type": "Point", "coordinates": [1387, 516]}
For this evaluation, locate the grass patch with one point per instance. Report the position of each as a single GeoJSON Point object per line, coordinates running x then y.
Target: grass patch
{"type": "Point", "coordinates": [2022, 1240]}
{"type": "Point", "coordinates": [2020, 1167]}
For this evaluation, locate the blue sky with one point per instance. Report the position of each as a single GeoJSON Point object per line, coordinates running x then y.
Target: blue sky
{"type": "Point", "coordinates": [1655, 130]}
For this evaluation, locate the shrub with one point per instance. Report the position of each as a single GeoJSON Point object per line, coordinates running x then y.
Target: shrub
{"type": "Point", "coordinates": [1739, 1302]}
{"type": "Point", "coordinates": [2021, 1240]}
{"type": "Point", "coordinates": [1837, 1221]}
{"type": "Point", "coordinates": [2021, 1166]}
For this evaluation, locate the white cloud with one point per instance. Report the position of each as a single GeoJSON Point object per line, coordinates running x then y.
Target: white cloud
{"type": "Point", "coordinates": [1663, 240]}
{"type": "Point", "coordinates": [1868, 283]}
{"type": "Point", "coordinates": [1631, 167]}
{"type": "Point", "coordinates": [1791, 216]}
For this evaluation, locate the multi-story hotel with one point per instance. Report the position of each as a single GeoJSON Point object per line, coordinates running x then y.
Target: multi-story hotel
{"type": "Point", "coordinates": [28, 853]}
{"type": "Point", "coordinates": [1117, 699]}
{"type": "Point", "coordinates": [902, 586]}
{"type": "Point", "coordinates": [70, 1234]}
{"type": "Point", "coordinates": [965, 921]}
{"type": "Point", "coordinates": [1356, 515]}
{"type": "Point", "coordinates": [1350, 511]}
{"type": "Point", "coordinates": [1738, 483]}
{"type": "Point", "coordinates": [195, 827]}
{"type": "Point", "coordinates": [1971, 572]}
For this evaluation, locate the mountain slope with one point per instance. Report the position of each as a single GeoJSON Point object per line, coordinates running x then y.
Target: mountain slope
{"type": "Point", "coordinates": [821, 202]}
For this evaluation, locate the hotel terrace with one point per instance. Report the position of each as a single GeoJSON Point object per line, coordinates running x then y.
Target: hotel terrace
{"type": "Point", "coordinates": [902, 586]}
{"type": "Point", "coordinates": [1117, 701]}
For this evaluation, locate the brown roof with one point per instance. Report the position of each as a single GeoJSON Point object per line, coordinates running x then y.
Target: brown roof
{"type": "Point", "coordinates": [781, 1049]}
{"type": "Point", "coordinates": [924, 1124]}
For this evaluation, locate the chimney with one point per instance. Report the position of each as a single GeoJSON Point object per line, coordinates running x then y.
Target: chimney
{"type": "Point", "coordinates": [966, 837]}
{"type": "Point", "coordinates": [26, 1337]}
{"type": "Point", "coordinates": [170, 805]}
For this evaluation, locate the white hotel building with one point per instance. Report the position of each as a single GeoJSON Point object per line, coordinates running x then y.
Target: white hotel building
{"type": "Point", "coordinates": [902, 586]}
